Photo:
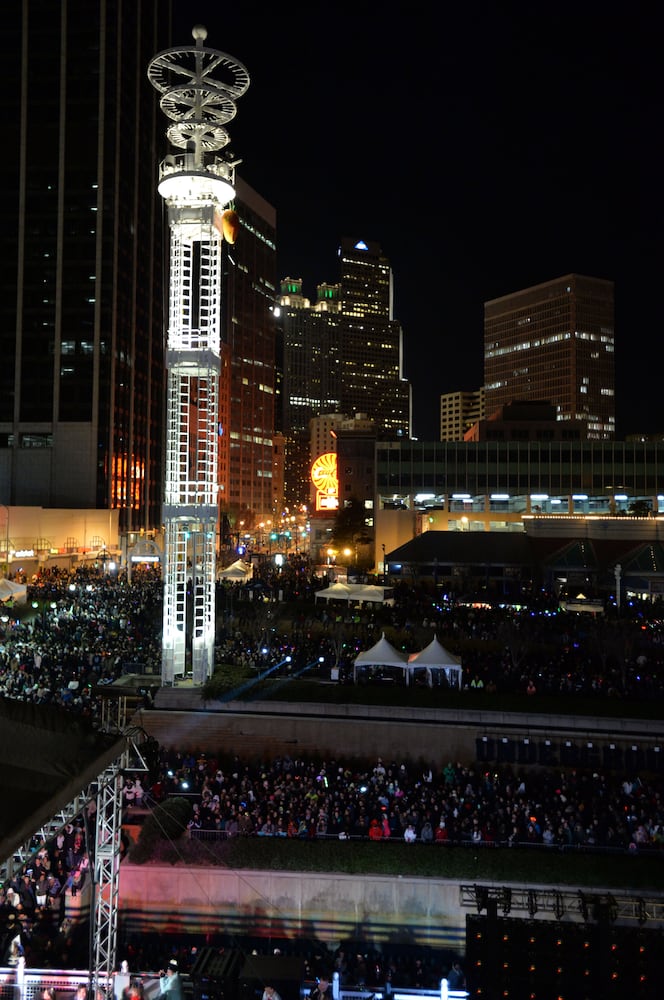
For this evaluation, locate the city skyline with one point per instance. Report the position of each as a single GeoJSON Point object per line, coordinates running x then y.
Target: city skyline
{"type": "Point", "coordinates": [490, 156]}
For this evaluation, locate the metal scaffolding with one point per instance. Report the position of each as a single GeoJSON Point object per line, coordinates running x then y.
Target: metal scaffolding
{"type": "Point", "coordinates": [198, 88]}
{"type": "Point", "coordinates": [573, 904]}
{"type": "Point", "coordinates": [99, 803]}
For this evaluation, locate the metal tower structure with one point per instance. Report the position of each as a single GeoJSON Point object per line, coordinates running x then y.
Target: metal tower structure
{"type": "Point", "coordinates": [98, 800]}
{"type": "Point", "coordinates": [198, 88]}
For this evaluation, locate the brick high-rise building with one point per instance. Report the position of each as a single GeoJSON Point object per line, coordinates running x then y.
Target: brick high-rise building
{"type": "Point", "coordinates": [554, 342]}
{"type": "Point", "coordinates": [249, 378]}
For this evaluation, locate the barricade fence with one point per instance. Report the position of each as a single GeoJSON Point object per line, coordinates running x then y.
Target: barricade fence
{"type": "Point", "coordinates": [21, 984]}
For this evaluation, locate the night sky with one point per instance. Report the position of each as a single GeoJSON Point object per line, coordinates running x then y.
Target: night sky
{"type": "Point", "coordinates": [486, 149]}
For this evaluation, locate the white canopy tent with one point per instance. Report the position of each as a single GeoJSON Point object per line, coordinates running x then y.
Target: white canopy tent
{"type": "Point", "coordinates": [10, 592]}
{"type": "Point", "coordinates": [436, 657]}
{"type": "Point", "coordinates": [335, 592]}
{"type": "Point", "coordinates": [236, 571]}
{"type": "Point", "coordinates": [370, 593]}
{"type": "Point", "coordinates": [355, 592]}
{"type": "Point", "coordinates": [432, 657]}
{"type": "Point", "coordinates": [383, 654]}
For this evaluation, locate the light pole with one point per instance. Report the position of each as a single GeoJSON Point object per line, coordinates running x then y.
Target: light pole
{"type": "Point", "coordinates": [41, 605]}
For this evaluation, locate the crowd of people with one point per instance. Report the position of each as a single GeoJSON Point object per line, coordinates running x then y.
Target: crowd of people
{"type": "Point", "coordinates": [85, 630]}
{"type": "Point", "coordinates": [33, 901]}
{"type": "Point", "coordinates": [443, 803]}
{"type": "Point", "coordinates": [356, 964]}
{"type": "Point", "coordinates": [88, 628]}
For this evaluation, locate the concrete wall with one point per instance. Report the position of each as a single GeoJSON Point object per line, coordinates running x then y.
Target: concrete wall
{"type": "Point", "coordinates": [402, 734]}
{"type": "Point", "coordinates": [326, 907]}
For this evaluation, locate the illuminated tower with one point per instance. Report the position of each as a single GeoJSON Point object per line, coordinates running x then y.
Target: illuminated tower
{"type": "Point", "coordinates": [198, 88]}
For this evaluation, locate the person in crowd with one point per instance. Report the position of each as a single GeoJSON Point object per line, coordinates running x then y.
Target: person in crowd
{"type": "Point", "coordinates": [170, 983]}
{"type": "Point", "coordinates": [270, 993]}
{"type": "Point", "coordinates": [456, 979]}
{"type": "Point", "coordinates": [323, 988]}
{"type": "Point", "coordinates": [14, 948]}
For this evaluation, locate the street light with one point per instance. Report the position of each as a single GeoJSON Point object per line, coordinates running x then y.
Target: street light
{"type": "Point", "coordinates": [40, 605]}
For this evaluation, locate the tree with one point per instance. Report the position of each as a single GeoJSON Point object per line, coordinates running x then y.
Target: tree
{"type": "Point", "coordinates": [351, 531]}
{"type": "Point", "coordinates": [350, 524]}
{"type": "Point", "coordinates": [640, 508]}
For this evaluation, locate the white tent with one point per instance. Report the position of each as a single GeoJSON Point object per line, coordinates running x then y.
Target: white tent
{"type": "Point", "coordinates": [354, 592]}
{"type": "Point", "coordinates": [335, 592]}
{"type": "Point", "coordinates": [383, 654]}
{"type": "Point", "coordinates": [15, 592]}
{"type": "Point", "coordinates": [436, 657]}
{"type": "Point", "coordinates": [369, 592]}
{"type": "Point", "coordinates": [236, 571]}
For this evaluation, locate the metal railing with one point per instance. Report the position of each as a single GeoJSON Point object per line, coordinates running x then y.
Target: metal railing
{"type": "Point", "coordinates": [648, 850]}
{"type": "Point", "coordinates": [442, 993]}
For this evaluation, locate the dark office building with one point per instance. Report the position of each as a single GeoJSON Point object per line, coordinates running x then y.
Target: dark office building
{"type": "Point", "coordinates": [81, 287]}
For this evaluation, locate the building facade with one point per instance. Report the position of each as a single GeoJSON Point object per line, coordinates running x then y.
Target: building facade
{"type": "Point", "coordinates": [492, 485]}
{"type": "Point", "coordinates": [487, 490]}
{"type": "Point", "coordinates": [525, 420]}
{"type": "Point", "coordinates": [247, 428]}
{"type": "Point", "coordinates": [81, 288]}
{"type": "Point", "coordinates": [554, 342]}
{"type": "Point", "coordinates": [459, 411]}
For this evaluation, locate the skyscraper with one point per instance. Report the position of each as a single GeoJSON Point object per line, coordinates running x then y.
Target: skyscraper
{"type": "Point", "coordinates": [344, 354]}
{"type": "Point", "coordinates": [554, 342]}
{"type": "Point", "coordinates": [81, 328]}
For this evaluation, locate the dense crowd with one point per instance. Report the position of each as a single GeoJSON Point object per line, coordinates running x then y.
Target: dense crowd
{"type": "Point", "coordinates": [90, 627]}
{"type": "Point", "coordinates": [85, 630]}
{"type": "Point", "coordinates": [33, 902]}
{"type": "Point", "coordinates": [444, 804]}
